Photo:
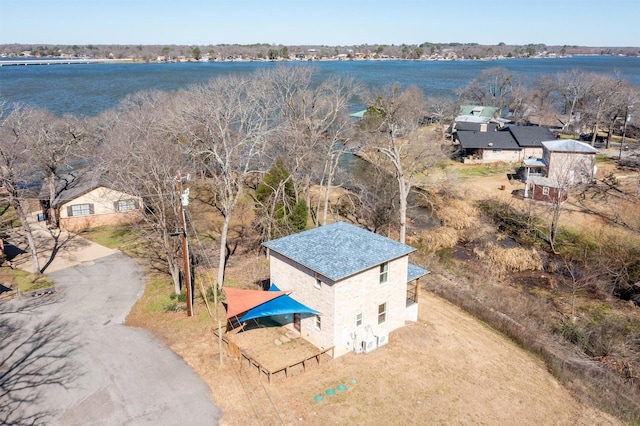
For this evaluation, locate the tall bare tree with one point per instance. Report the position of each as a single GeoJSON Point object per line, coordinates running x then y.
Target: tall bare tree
{"type": "Point", "coordinates": [573, 87]}
{"type": "Point", "coordinates": [493, 87]}
{"type": "Point", "coordinates": [17, 169]}
{"type": "Point", "coordinates": [141, 158]}
{"type": "Point", "coordinates": [602, 101]}
{"type": "Point", "coordinates": [227, 124]}
{"type": "Point", "coordinates": [393, 125]}
{"type": "Point", "coordinates": [57, 145]}
{"type": "Point", "coordinates": [316, 128]}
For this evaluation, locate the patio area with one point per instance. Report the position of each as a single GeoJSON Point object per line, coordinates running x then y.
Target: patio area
{"type": "Point", "coordinates": [273, 350]}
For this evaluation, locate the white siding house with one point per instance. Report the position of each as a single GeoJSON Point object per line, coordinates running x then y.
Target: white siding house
{"type": "Point", "coordinates": [361, 282]}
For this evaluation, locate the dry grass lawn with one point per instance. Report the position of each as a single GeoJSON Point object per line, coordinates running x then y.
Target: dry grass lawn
{"type": "Point", "coordinates": [447, 368]}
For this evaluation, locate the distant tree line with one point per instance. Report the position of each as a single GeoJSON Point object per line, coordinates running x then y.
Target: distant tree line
{"type": "Point", "coordinates": [269, 51]}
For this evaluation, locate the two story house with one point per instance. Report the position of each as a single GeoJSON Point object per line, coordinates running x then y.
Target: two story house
{"type": "Point", "coordinates": [361, 283]}
{"type": "Point", "coordinates": [565, 163]}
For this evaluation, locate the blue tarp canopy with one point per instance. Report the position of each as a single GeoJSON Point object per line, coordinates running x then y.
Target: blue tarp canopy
{"type": "Point", "coordinates": [281, 305]}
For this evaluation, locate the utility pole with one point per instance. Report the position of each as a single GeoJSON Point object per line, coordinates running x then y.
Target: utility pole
{"type": "Point", "coordinates": [184, 201]}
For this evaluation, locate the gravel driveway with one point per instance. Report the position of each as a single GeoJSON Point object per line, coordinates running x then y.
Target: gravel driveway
{"type": "Point", "coordinates": [67, 358]}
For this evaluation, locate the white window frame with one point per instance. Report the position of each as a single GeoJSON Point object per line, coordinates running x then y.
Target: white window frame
{"type": "Point", "coordinates": [384, 272]}
{"type": "Point", "coordinates": [382, 313]}
{"type": "Point", "coordinates": [359, 319]}
{"type": "Point", "coordinates": [317, 323]}
{"type": "Point", "coordinates": [545, 190]}
{"type": "Point", "coordinates": [80, 209]}
{"type": "Point", "coordinates": [126, 205]}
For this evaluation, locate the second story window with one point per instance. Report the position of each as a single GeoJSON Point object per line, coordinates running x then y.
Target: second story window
{"type": "Point", "coordinates": [384, 272]}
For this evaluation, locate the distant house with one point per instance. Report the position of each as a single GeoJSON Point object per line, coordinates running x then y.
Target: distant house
{"type": "Point", "coordinates": [565, 163]}
{"type": "Point", "coordinates": [529, 139]}
{"type": "Point", "coordinates": [361, 283]}
{"type": "Point", "coordinates": [85, 200]}
{"type": "Point", "coordinates": [492, 142]}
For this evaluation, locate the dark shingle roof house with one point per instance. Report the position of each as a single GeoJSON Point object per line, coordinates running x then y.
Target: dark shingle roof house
{"type": "Point", "coordinates": [487, 140]}
{"type": "Point", "coordinates": [530, 136]}
{"type": "Point", "coordinates": [340, 250]}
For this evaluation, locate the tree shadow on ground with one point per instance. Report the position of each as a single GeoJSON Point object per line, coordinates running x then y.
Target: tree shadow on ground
{"type": "Point", "coordinates": [34, 357]}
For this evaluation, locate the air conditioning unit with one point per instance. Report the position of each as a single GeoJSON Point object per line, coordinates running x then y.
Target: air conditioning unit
{"type": "Point", "coordinates": [369, 345]}
{"type": "Point", "coordinates": [383, 340]}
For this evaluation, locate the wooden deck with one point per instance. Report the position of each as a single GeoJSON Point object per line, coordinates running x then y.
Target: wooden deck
{"type": "Point", "coordinates": [274, 351]}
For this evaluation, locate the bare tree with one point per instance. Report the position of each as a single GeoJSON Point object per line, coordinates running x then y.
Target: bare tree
{"type": "Point", "coordinates": [17, 167]}
{"type": "Point", "coordinates": [57, 145]}
{"type": "Point", "coordinates": [443, 109]}
{"type": "Point", "coordinates": [143, 160]}
{"type": "Point", "coordinates": [394, 131]}
{"type": "Point", "coordinates": [602, 101]}
{"type": "Point", "coordinates": [573, 87]}
{"type": "Point", "coordinates": [492, 88]}
{"type": "Point", "coordinates": [316, 128]}
{"type": "Point", "coordinates": [372, 198]}
{"type": "Point", "coordinates": [227, 124]}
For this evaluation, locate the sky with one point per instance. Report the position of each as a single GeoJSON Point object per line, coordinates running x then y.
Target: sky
{"type": "Point", "coordinates": [600, 23]}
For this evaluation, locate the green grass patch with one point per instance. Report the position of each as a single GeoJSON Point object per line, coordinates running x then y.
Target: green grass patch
{"type": "Point", "coordinates": [110, 237]}
{"type": "Point", "coordinates": [603, 159]}
{"type": "Point", "coordinates": [8, 216]}
{"type": "Point", "coordinates": [481, 170]}
{"type": "Point", "coordinates": [158, 295]}
{"type": "Point", "coordinates": [25, 281]}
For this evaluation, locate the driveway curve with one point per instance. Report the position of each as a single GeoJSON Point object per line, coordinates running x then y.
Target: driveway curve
{"type": "Point", "coordinates": [86, 367]}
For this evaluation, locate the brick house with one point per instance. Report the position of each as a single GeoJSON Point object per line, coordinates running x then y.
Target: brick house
{"type": "Point", "coordinates": [84, 200]}
{"type": "Point", "coordinates": [362, 284]}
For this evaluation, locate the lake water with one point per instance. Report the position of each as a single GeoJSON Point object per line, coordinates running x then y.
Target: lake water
{"type": "Point", "coordinates": [88, 89]}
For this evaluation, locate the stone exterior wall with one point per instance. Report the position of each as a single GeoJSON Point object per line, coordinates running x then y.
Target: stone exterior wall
{"type": "Point", "coordinates": [341, 302]}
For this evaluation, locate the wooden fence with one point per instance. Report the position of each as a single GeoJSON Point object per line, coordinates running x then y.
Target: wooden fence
{"type": "Point", "coordinates": [236, 351]}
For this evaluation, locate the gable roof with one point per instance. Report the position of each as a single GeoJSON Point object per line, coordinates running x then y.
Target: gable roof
{"type": "Point", "coordinates": [487, 140]}
{"type": "Point", "coordinates": [479, 110]}
{"type": "Point", "coordinates": [338, 250]}
{"type": "Point", "coordinates": [530, 136]}
{"type": "Point", "coordinates": [75, 184]}
{"type": "Point", "coordinates": [568, 145]}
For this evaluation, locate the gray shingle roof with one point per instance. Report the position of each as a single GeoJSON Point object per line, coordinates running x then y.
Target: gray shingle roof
{"type": "Point", "coordinates": [530, 136]}
{"type": "Point", "coordinates": [73, 185]}
{"type": "Point", "coordinates": [414, 272]}
{"type": "Point", "coordinates": [338, 250]}
{"type": "Point", "coordinates": [487, 140]}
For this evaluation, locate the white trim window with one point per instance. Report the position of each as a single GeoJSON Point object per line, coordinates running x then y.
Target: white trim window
{"type": "Point", "coordinates": [318, 323]}
{"type": "Point", "coordinates": [126, 205]}
{"type": "Point", "coordinates": [80, 210]}
{"type": "Point", "coordinates": [359, 320]}
{"type": "Point", "coordinates": [545, 190]}
{"type": "Point", "coordinates": [382, 313]}
{"type": "Point", "coordinates": [384, 272]}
